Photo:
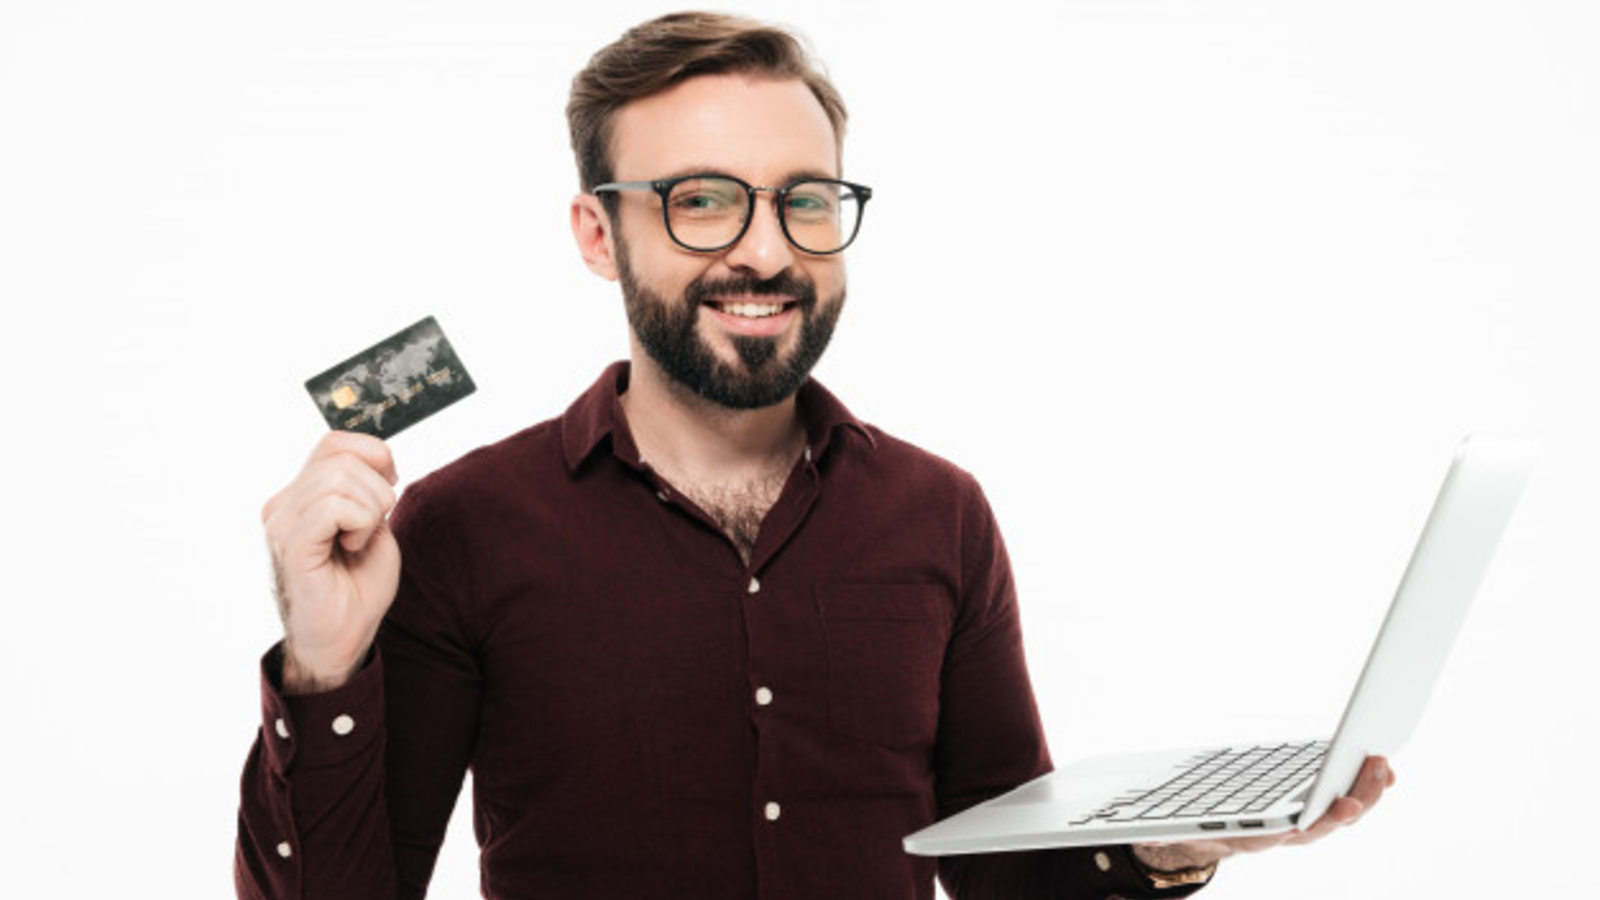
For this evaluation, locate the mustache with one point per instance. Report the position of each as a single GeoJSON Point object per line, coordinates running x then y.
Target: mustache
{"type": "Point", "coordinates": [785, 284]}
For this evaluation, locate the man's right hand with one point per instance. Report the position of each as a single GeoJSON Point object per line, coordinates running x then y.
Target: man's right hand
{"type": "Point", "coordinates": [335, 562]}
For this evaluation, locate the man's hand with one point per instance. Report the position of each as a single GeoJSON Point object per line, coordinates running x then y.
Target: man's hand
{"type": "Point", "coordinates": [1375, 778]}
{"type": "Point", "coordinates": [335, 563]}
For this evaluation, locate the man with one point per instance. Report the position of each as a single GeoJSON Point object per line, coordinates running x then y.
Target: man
{"type": "Point", "coordinates": [705, 634]}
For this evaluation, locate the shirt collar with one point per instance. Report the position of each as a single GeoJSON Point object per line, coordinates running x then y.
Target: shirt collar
{"type": "Point", "coordinates": [597, 415]}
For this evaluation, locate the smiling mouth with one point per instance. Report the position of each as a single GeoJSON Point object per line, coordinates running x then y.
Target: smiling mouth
{"type": "Point", "coordinates": [750, 310]}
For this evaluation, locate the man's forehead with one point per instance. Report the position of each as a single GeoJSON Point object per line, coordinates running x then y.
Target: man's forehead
{"type": "Point", "coordinates": [748, 125]}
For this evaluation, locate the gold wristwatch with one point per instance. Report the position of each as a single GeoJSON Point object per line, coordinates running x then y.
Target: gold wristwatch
{"type": "Point", "coordinates": [1160, 880]}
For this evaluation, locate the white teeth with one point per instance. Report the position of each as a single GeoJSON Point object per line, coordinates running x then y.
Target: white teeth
{"type": "Point", "coordinates": [753, 310]}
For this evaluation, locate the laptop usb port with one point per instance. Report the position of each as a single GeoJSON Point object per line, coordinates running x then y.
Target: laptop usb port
{"type": "Point", "coordinates": [1252, 823]}
{"type": "Point", "coordinates": [1213, 826]}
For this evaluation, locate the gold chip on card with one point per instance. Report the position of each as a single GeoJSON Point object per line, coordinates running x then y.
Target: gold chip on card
{"type": "Point", "coordinates": [343, 396]}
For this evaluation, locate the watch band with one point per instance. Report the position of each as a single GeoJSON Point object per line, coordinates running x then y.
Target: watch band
{"type": "Point", "coordinates": [1181, 878]}
{"type": "Point", "coordinates": [1161, 880]}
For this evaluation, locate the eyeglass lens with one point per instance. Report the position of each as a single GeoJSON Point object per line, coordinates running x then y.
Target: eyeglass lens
{"type": "Point", "coordinates": [708, 213]}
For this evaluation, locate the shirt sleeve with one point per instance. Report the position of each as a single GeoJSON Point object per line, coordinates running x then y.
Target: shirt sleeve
{"type": "Point", "coordinates": [991, 740]}
{"type": "Point", "coordinates": [312, 821]}
{"type": "Point", "coordinates": [346, 794]}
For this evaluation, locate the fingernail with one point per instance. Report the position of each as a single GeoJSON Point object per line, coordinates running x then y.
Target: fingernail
{"type": "Point", "coordinates": [1380, 772]}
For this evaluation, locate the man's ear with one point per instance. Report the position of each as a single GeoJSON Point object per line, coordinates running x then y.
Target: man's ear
{"type": "Point", "coordinates": [591, 228]}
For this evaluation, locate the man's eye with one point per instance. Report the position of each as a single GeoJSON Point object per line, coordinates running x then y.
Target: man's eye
{"type": "Point", "coordinates": [810, 203]}
{"type": "Point", "coordinates": [704, 200]}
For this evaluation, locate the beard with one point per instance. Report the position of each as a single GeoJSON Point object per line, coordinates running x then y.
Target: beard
{"type": "Point", "coordinates": [668, 331]}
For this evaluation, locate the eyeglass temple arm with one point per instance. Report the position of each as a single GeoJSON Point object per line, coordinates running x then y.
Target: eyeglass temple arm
{"type": "Point", "coordinates": [624, 186]}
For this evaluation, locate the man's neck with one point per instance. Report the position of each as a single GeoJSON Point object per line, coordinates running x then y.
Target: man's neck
{"type": "Point", "coordinates": [678, 431]}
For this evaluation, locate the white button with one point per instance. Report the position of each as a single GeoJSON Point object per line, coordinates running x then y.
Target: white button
{"type": "Point", "coordinates": [763, 697]}
{"type": "Point", "coordinates": [284, 850]}
{"type": "Point", "coordinates": [343, 725]}
{"type": "Point", "coordinates": [1103, 861]}
{"type": "Point", "coordinates": [663, 496]}
{"type": "Point", "coordinates": [773, 812]}
{"type": "Point", "coordinates": [282, 729]}
{"type": "Point", "coordinates": [755, 585]}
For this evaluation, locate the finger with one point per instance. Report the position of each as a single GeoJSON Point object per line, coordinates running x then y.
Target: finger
{"type": "Point", "coordinates": [328, 518]}
{"type": "Point", "coordinates": [1344, 811]}
{"type": "Point", "coordinates": [343, 475]}
{"type": "Point", "coordinates": [363, 450]}
{"type": "Point", "coordinates": [357, 523]}
{"type": "Point", "coordinates": [270, 508]}
{"type": "Point", "coordinates": [1221, 848]}
{"type": "Point", "coordinates": [300, 517]}
{"type": "Point", "coordinates": [1373, 779]}
{"type": "Point", "coordinates": [348, 475]}
{"type": "Point", "coordinates": [370, 450]}
{"type": "Point", "coordinates": [1253, 844]}
{"type": "Point", "coordinates": [356, 542]}
{"type": "Point", "coordinates": [1382, 772]}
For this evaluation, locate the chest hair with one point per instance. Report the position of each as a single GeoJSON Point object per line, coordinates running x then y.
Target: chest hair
{"type": "Point", "coordinates": [738, 508]}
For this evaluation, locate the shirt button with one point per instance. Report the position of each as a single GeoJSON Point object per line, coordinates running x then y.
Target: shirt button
{"type": "Point", "coordinates": [773, 811]}
{"type": "Point", "coordinates": [763, 697]}
{"type": "Point", "coordinates": [343, 725]}
{"type": "Point", "coordinates": [663, 496]}
{"type": "Point", "coordinates": [755, 585]}
{"type": "Point", "coordinates": [284, 850]}
{"type": "Point", "coordinates": [281, 728]}
{"type": "Point", "coordinates": [1102, 861]}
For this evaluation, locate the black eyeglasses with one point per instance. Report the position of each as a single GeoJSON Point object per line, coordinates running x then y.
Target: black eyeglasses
{"type": "Point", "coordinates": [705, 213]}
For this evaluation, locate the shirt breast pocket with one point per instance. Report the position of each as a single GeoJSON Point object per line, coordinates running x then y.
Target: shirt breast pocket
{"type": "Point", "coordinates": [886, 645]}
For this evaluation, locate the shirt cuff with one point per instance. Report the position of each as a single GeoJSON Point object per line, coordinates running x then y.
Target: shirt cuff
{"type": "Point", "coordinates": [313, 731]}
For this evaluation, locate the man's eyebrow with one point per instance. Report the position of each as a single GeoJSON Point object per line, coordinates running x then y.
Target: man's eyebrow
{"type": "Point", "coordinates": [788, 178]}
{"type": "Point", "coordinates": [801, 174]}
{"type": "Point", "coordinates": [684, 171]}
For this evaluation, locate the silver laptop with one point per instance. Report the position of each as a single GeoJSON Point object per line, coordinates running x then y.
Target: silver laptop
{"type": "Point", "coordinates": [1276, 786]}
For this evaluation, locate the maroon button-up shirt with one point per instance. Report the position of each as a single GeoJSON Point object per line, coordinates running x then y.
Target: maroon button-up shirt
{"type": "Point", "coordinates": [645, 714]}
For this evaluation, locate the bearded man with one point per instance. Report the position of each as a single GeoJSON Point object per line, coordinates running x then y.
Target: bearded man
{"type": "Point", "coordinates": [705, 634]}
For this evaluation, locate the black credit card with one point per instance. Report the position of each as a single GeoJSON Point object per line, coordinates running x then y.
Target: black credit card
{"type": "Point", "coordinates": [393, 384]}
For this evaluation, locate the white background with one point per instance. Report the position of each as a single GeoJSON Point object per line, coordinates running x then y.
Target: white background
{"type": "Point", "coordinates": [1204, 293]}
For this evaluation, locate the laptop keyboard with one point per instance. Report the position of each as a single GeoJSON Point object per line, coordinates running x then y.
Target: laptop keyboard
{"type": "Point", "coordinates": [1223, 782]}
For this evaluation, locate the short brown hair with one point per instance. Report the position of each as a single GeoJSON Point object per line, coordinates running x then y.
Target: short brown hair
{"type": "Point", "coordinates": [662, 52]}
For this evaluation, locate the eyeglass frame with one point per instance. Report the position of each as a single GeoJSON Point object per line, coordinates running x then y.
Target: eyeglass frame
{"type": "Point", "coordinates": [663, 189]}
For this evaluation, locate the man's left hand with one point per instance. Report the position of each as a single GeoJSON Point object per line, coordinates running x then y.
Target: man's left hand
{"type": "Point", "coordinates": [1374, 778]}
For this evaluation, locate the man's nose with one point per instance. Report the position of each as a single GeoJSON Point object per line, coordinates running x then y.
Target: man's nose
{"type": "Point", "coordinates": [764, 250]}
